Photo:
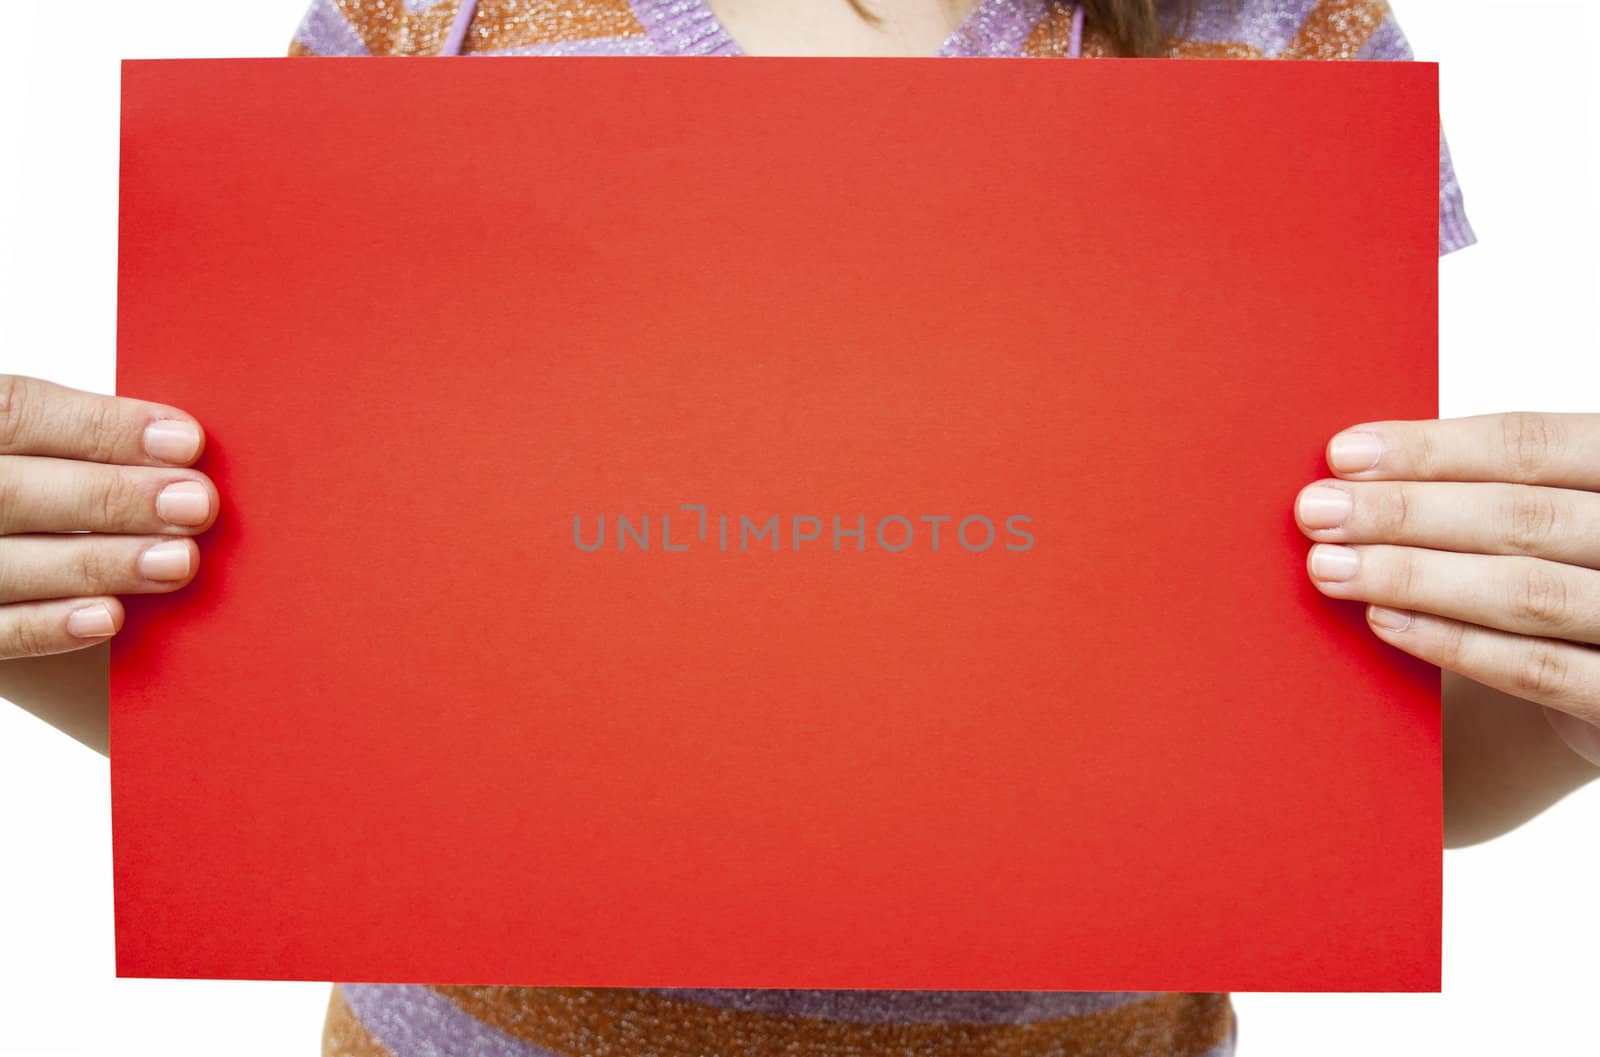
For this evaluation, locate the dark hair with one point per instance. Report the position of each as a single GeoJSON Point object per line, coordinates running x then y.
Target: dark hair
{"type": "Point", "coordinates": [1133, 28]}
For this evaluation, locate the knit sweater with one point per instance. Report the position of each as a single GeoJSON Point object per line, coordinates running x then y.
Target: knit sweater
{"type": "Point", "coordinates": [405, 1020]}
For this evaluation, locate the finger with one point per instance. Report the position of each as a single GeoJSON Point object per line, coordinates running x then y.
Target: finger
{"type": "Point", "coordinates": [1526, 447]}
{"type": "Point", "coordinates": [33, 629]}
{"type": "Point", "coordinates": [1562, 675]}
{"type": "Point", "coordinates": [60, 495]}
{"type": "Point", "coordinates": [1559, 524]}
{"type": "Point", "coordinates": [1524, 596]}
{"type": "Point", "coordinates": [41, 418]}
{"type": "Point", "coordinates": [82, 563]}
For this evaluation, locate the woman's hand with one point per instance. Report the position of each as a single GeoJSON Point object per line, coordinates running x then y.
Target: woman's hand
{"type": "Point", "coordinates": [1477, 541]}
{"type": "Point", "coordinates": [95, 501]}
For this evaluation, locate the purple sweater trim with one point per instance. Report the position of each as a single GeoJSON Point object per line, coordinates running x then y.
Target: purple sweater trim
{"type": "Point", "coordinates": [912, 1007]}
{"type": "Point", "coordinates": [324, 30]}
{"type": "Point", "coordinates": [411, 1020]}
{"type": "Point", "coordinates": [994, 28]}
{"type": "Point", "coordinates": [683, 27]}
{"type": "Point", "coordinates": [458, 28]}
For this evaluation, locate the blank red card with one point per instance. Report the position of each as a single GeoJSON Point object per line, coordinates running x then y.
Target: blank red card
{"type": "Point", "coordinates": [775, 523]}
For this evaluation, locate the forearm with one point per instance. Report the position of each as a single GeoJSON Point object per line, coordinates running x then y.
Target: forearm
{"type": "Point", "coordinates": [1503, 764]}
{"type": "Point", "coordinates": [69, 691]}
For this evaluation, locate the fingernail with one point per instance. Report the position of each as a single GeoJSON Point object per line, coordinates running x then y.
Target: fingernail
{"type": "Point", "coordinates": [90, 622]}
{"type": "Point", "coordinates": [1354, 452]}
{"type": "Point", "coordinates": [184, 503]}
{"type": "Point", "coordinates": [165, 561]}
{"type": "Point", "coordinates": [171, 440]}
{"type": "Point", "coordinates": [1322, 507]}
{"type": "Point", "coordinates": [1394, 619]}
{"type": "Point", "coordinates": [1330, 562]}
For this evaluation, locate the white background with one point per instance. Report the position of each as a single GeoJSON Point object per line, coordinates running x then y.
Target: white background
{"type": "Point", "coordinates": [1520, 98]}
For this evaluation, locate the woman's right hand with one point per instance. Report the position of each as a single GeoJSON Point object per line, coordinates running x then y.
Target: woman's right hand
{"type": "Point", "coordinates": [95, 501]}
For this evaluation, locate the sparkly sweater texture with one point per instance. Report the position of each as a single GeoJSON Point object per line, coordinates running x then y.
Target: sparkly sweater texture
{"type": "Point", "coordinates": [414, 1020]}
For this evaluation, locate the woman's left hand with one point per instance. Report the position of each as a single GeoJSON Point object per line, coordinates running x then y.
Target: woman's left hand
{"type": "Point", "coordinates": [1477, 542]}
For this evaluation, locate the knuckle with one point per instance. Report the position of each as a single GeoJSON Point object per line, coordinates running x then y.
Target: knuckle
{"type": "Point", "coordinates": [95, 570]}
{"type": "Point", "coordinates": [13, 404]}
{"type": "Point", "coordinates": [113, 499]}
{"type": "Point", "coordinates": [1541, 671]}
{"type": "Point", "coordinates": [1427, 453]}
{"type": "Point", "coordinates": [24, 637]}
{"type": "Point", "coordinates": [1540, 597]}
{"type": "Point", "coordinates": [1403, 580]}
{"type": "Point", "coordinates": [1452, 645]}
{"type": "Point", "coordinates": [1530, 442]}
{"type": "Point", "coordinates": [1399, 512]}
{"type": "Point", "coordinates": [1532, 521]}
{"type": "Point", "coordinates": [10, 408]}
{"type": "Point", "coordinates": [10, 499]}
{"type": "Point", "coordinates": [102, 424]}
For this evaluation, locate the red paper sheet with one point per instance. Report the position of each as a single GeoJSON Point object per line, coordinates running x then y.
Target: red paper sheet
{"type": "Point", "coordinates": [403, 728]}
